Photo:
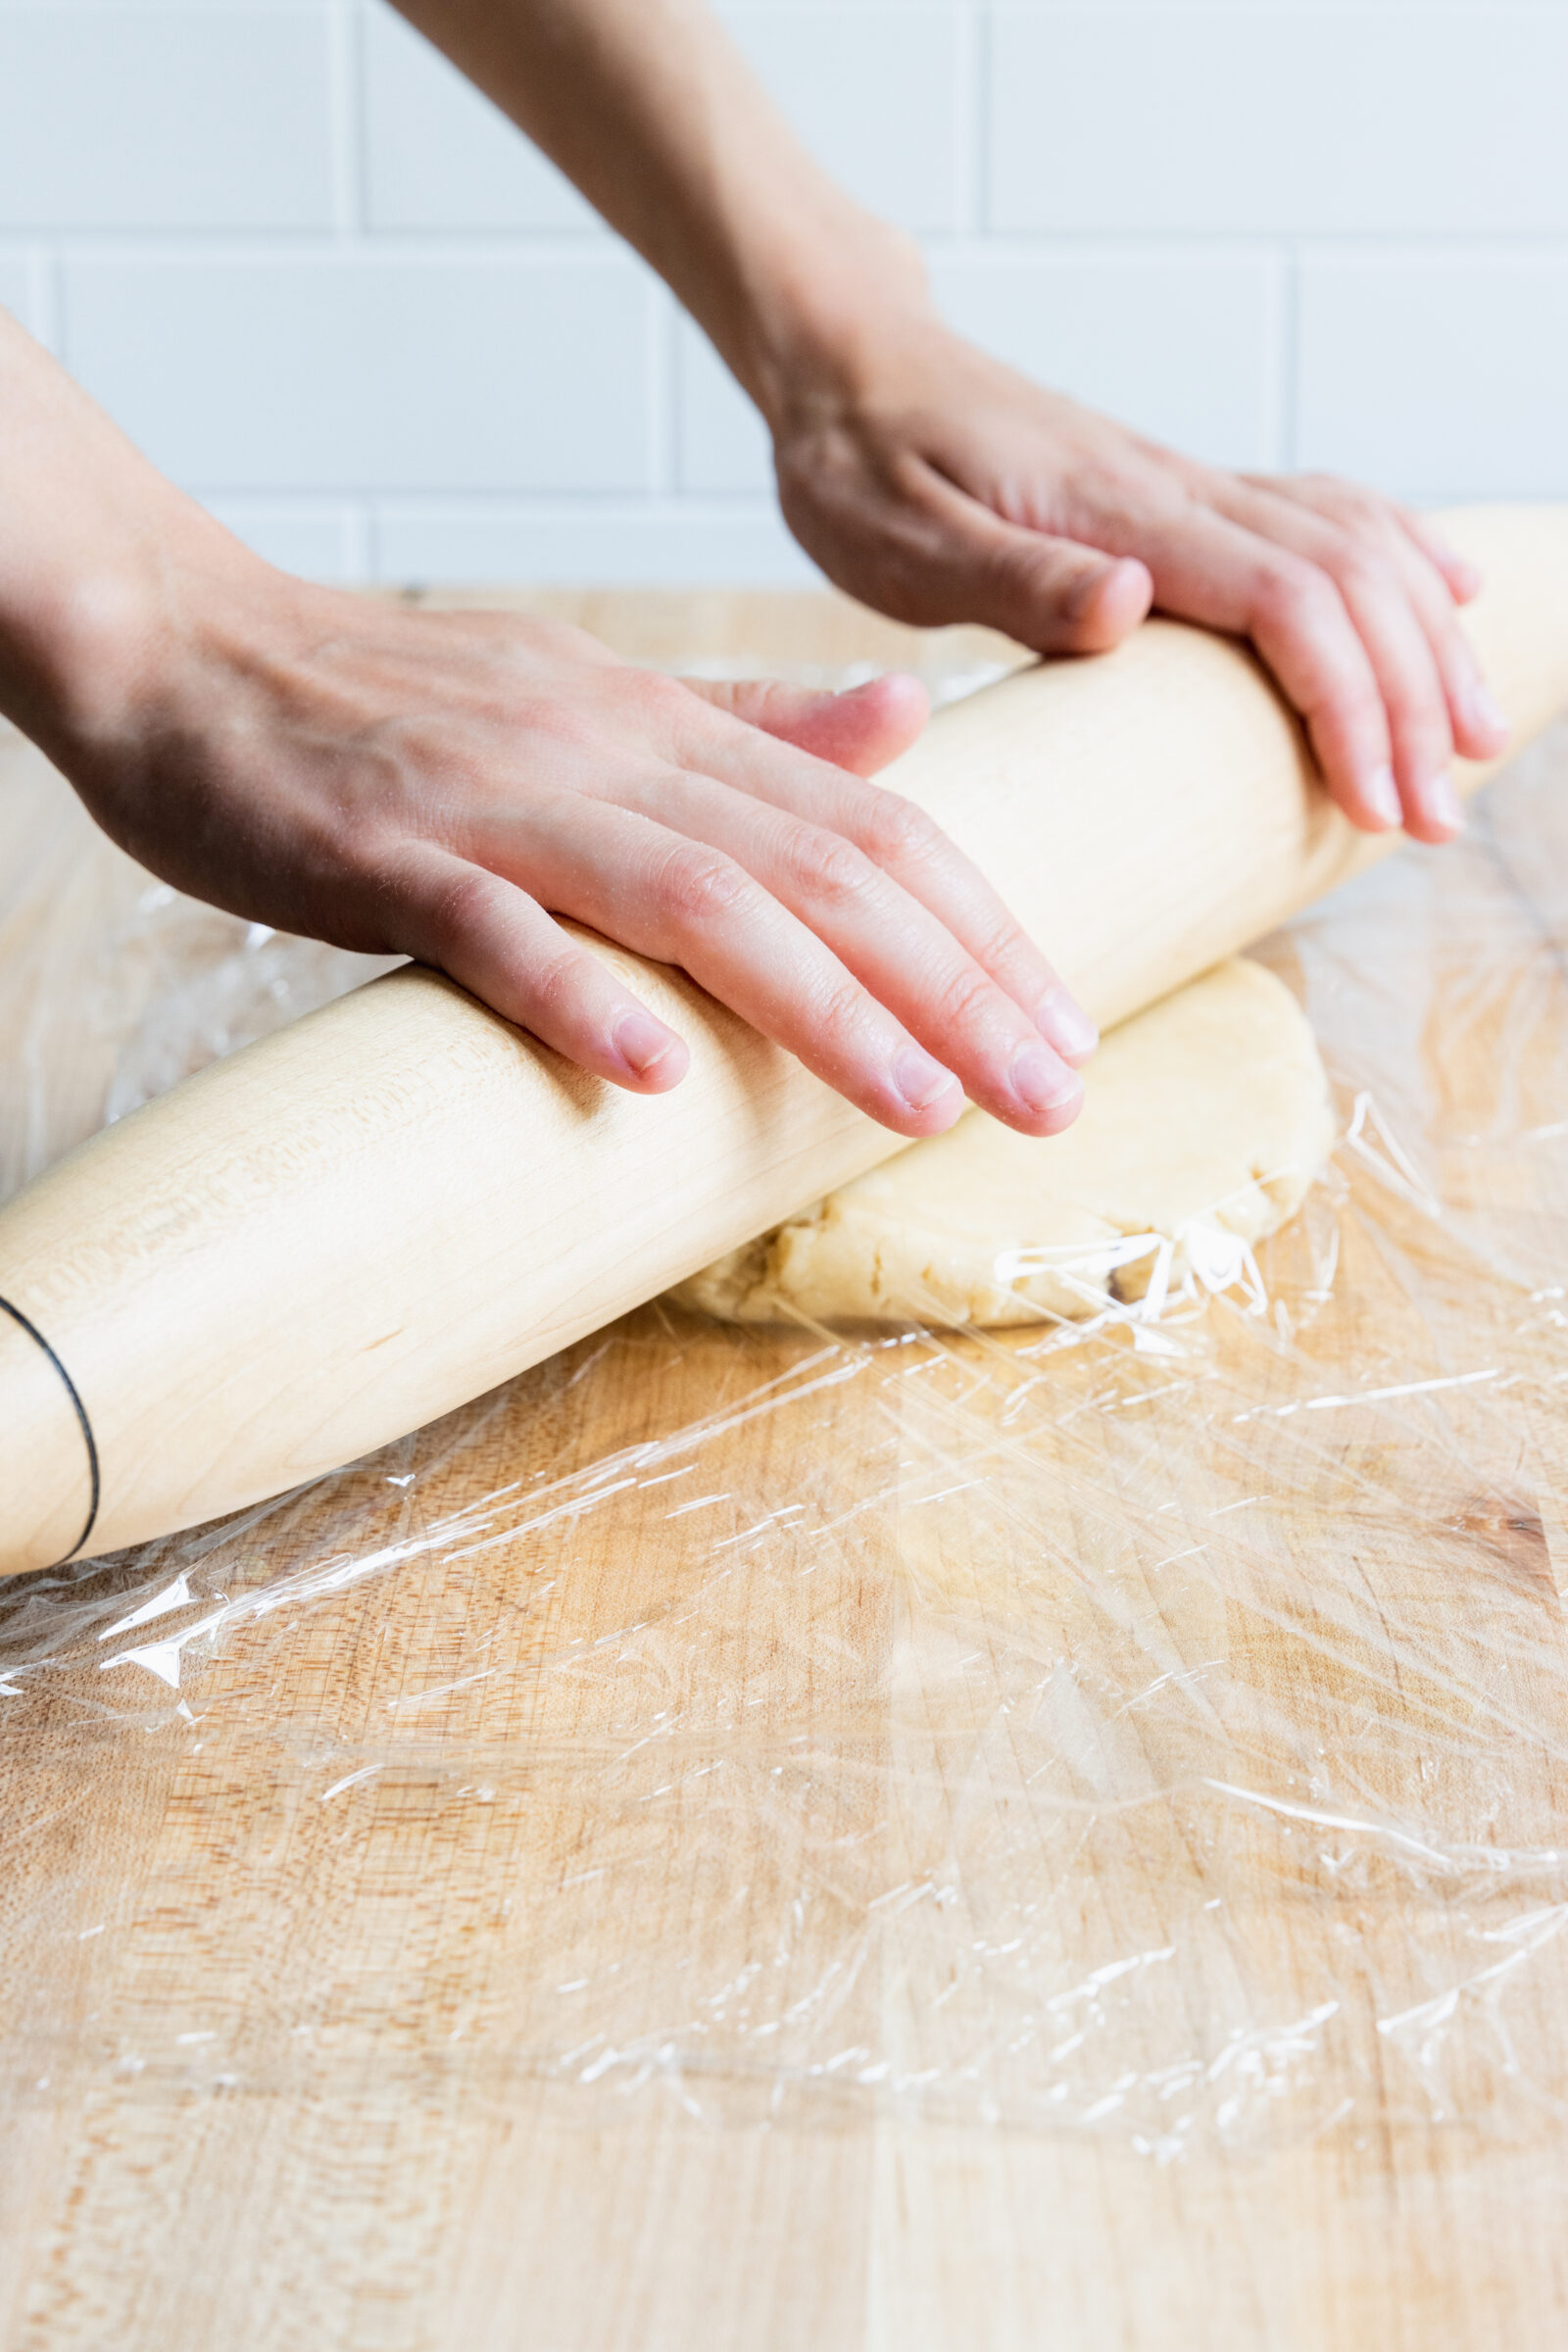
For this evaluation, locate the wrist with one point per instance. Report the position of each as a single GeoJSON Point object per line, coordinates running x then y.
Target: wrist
{"type": "Point", "coordinates": [820, 314]}
{"type": "Point", "coordinates": [93, 638]}
{"type": "Point", "coordinates": [102, 562]}
{"type": "Point", "coordinates": [72, 640]}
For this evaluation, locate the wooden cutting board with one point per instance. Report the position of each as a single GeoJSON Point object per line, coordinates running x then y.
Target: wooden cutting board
{"type": "Point", "coordinates": [784, 1839]}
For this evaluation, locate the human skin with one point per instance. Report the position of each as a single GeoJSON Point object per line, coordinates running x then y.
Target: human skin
{"type": "Point", "coordinates": [939, 485]}
{"type": "Point", "coordinates": [446, 785]}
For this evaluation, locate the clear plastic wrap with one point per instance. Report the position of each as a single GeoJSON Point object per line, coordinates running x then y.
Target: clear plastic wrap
{"type": "Point", "coordinates": [1156, 1726]}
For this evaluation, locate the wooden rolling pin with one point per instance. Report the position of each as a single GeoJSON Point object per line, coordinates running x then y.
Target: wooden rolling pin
{"type": "Point", "coordinates": [363, 1221]}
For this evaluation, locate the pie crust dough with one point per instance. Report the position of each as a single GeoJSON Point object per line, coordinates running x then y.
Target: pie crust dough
{"type": "Point", "coordinates": [1205, 1120]}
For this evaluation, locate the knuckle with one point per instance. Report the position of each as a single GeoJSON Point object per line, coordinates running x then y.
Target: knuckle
{"type": "Point", "coordinates": [1333, 494]}
{"type": "Point", "coordinates": [1001, 945]}
{"type": "Point", "coordinates": [1295, 594]}
{"type": "Point", "coordinates": [558, 983]}
{"type": "Point", "coordinates": [1362, 572]}
{"type": "Point", "coordinates": [1361, 507]}
{"type": "Point", "coordinates": [1325, 488]}
{"type": "Point", "coordinates": [824, 866]}
{"type": "Point", "coordinates": [365, 858]}
{"type": "Point", "coordinates": [762, 701]}
{"type": "Point", "coordinates": [654, 698]}
{"type": "Point", "coordinates": [838, 1008]}
{"type": "Point", "coordinates": [896, 833]}
{"type": "Point", "coordinates": [1026, 578]}
{"type": "Point", "coordinates": [459, 904]}
{"type": "Point", "coordinates": [699, 886]}
{"type": "Point", "coordinates": [964, 997]}
{"type": "Point", "coordinates": [660, 692]}
{"type": "Point", "coordinates": [1456, 655]}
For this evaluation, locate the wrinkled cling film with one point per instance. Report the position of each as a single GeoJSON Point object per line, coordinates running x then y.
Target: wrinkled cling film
{"type": "Point", "coordinates": [1155, 1726]}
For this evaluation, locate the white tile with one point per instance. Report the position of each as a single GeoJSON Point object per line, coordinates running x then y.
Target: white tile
{"type": "Point", "coordinates": [1436, 376]}
{"type": "Point", "coordinates": [439, 156]}
{"type": "Point", "coordinates": [876, 92]}
{"type": "Point", "coordinates": [871, 90]}
{"type": "Point", "coordinates": [15, 289]}
{"type": "Point", "coordinates": [1180, 345]}
{"type": "Point", "coordinates": [338, 373]}
{"type": "Point", "coordinates": [662, 544]}
{"type": "Point", "coordinates": [894, 12]}
{"type": "Point", "coordinates": [1338, 117]}
{"type": "Point", "coordinates": [163, 118]}
{"type": "Point", "coordinates": [319, 542]}
{"type": "Point", "coordinates": [723, 443]}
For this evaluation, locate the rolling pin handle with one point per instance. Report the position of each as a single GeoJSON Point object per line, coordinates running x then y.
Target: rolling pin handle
{"type": "Point", "coordinates": [51, 1451]}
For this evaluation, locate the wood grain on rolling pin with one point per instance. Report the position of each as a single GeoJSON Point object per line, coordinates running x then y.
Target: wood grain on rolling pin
{"type": "Point", "coordinates": [389, 1207]}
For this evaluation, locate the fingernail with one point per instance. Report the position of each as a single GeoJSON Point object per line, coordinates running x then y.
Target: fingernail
{"type": "Point", "coordinates": [1039, 1081]}
{"type": "Point", "coordinates": [1063, 1022]}
{"type": "Point", "coordinates": [1443, 804]}
{"type": "Point", "coordinates": [1486, 712]}
{"type": "Point", "coordinates": [1382, 795]}
{"type": "Point", "coordinates": [919, 1079]}
{"type": "Point", "coordinates": [641, 1040]}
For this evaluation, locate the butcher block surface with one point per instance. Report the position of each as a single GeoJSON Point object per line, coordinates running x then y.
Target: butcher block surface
{"type": "Point", "coordinates": [834, 1839]}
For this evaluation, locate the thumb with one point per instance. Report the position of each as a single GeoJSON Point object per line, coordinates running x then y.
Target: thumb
{"type": "Point", "coordinates": [860, 730]}
{"type": "Point", "coordinates": [1050, 594]}
{"type": "Point", "coordinates": [1057, 597]}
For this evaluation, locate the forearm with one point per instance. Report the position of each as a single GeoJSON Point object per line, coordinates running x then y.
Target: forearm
{"type": "Point", "coordinates": [649, 108]}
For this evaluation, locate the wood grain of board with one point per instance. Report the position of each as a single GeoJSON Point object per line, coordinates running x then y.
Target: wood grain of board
{"type": "Point", "coordinates": [331, 1236]}
{"type": "Point", "coordinates": [765, 1841]}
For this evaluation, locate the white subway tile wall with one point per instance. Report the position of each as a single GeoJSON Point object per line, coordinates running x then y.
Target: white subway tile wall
{"type": "Point", "coordinates": [438, 158]}
{"type": "Point", "coordinates": [1467, 351]}
{"type": "Point", "coordinates": [1183, 344]}
{"type": "Point", "coordinates": [183, 118]}
{"type": "Point", "coordinates": [16, 287]}
{"type": "Point", "coordinates": [362, 371]}
{"type": "Point", "coordinates": [1342, 117]}
{"type": "Point", "coordinates": [876, 92]}
{"type": "Point", "coordinates": [327, 285]}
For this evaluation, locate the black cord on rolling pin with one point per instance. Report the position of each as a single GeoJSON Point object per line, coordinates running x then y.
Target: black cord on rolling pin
{"type": "Point", "coordinates": [33, 1333]}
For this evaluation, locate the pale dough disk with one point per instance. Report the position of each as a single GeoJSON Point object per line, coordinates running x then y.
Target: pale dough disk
{"type": "Point", "coordinates": [1206, 1117]}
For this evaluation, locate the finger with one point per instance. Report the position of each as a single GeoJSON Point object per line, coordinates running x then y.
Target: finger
{"type": "Point", "coordinates": [500, 945]}
{"type": "Point", "coordinates": [860, 730]}
{"type": "Point", "coordinates": [1212, 570]}
{"type": "Point", "coordinates": [1480, 724]}
{"type": "Point", "coordinates": [1480, 728]}
{"type": "Point", "coordinates": [1463, 579]}
{"type": "Point", "coordinates": [950, 557]}
{"type": "Point", "coordinates": [899, 951]}
{"type": "Point", "coordinates": [1376, 597]}
{"type": "Point", "coordinates": [911, 849]}
{"type": "Point", "coordinates": [1049, 593]}
{"type": "Point", "coordinates": [675, 897]}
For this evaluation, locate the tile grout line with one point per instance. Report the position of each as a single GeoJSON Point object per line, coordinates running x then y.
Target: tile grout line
{"type": "Point", "coordinates": [969, 115]}
{"type": "Point", "coordinates": [1287, 348]}
{"type": "Point", "coordinates": [980, 119]}
{"type": "Point", "coordinates": [43, 298]}
{"type": "Point", "coordinates": [345, 69]}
